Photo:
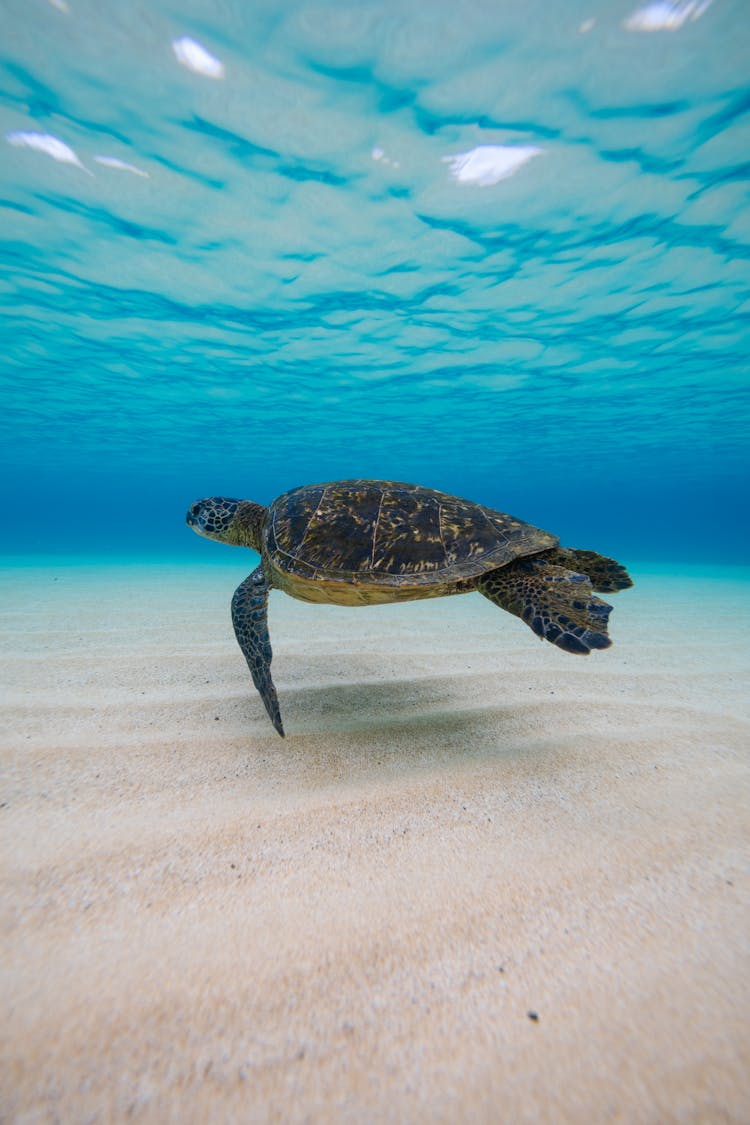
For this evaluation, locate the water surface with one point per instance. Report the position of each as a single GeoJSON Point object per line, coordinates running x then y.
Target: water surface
{"type": "Point", "coordinates": [497, 249]}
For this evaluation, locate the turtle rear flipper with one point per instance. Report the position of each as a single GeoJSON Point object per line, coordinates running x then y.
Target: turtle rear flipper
{"type": "Point", "coordinates": [607, 576]}
{"type": "Point", "coordinates": [556, 603]}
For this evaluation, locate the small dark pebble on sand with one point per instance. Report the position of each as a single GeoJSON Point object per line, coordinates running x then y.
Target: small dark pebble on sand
{"type": "Point", "coordinates": [533, 1016]}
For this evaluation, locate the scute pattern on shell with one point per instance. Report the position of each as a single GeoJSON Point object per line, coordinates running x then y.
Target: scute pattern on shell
{"type": "Point", "coordinates": [388, 532]}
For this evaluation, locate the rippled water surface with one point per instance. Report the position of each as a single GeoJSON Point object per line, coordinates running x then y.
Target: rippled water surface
{"type": "Point", "coordinates": [497, 248]}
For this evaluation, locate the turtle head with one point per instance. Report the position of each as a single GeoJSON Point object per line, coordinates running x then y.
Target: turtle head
{"type": "Point", "coordinates": [238, 522]}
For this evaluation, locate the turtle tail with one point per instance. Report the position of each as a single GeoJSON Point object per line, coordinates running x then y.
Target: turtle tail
{"type": "Point", "coordinates": [556, 603]}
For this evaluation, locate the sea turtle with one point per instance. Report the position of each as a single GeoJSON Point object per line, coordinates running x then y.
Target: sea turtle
{"type": "Point", "coordinates": [365, 542]}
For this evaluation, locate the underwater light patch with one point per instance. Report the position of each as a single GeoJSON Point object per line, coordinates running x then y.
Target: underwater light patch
{"type": "Point", "coordinates": [666, 15]}
{"type": "Point", "coordinates": [120, 165]}
{"type": "Point", "coordinates": [488, 164]}
{"type": "Point", "coordinates": [195, 57]}
{"type": "Point", "coordinates": [45, 142]}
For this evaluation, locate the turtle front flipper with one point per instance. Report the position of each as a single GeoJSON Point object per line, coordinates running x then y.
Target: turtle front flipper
{"type": "Point", "coordinates": [250, 620]}
{"type": "Point", "coordinates": [556, 603]}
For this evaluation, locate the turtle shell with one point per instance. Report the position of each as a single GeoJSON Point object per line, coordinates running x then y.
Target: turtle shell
{"type": "Point", "coordinates": [386, 533]}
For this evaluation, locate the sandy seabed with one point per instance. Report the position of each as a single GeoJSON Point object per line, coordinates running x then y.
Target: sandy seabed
{"type": "Point", "coordinates": [204, 923]}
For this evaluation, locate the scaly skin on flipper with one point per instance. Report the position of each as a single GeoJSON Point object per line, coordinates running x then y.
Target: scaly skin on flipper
{"type": "Point", "coordinates": [250, 620]}
{"type": "Point", "coordinates": [557, 604]}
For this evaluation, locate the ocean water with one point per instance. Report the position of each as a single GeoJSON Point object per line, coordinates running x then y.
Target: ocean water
{"type": "Point", "coordinates": [495, 247]}
{"type": "Point", "coordinates": [499, 249]}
